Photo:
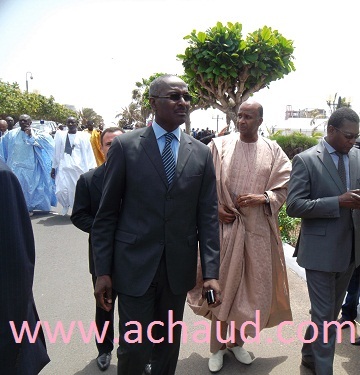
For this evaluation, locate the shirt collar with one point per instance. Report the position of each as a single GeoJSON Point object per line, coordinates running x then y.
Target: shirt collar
{"type": "Point", "coordinates": [159, 131]}
{"type": "Point", "coordinates": [329, 147]}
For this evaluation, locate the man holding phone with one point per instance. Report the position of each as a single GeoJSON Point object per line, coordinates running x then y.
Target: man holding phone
{"type": "Point", "coordinates": [324, 192]}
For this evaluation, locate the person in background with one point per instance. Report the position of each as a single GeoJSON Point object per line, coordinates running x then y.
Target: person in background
{"type": "Point", "coordinates": [10, 121]}
{"type": "Point", "coordinates": [324, 191]}
{"type": "Point", "coordinates": [28, 153]}
{"type": "Point", "coordinates": [349, 308]}
{"type": "Point", "coordinates": [158, 204]}
{"type": "Point", "coordinates": [3, 131]}
{"type": "Point", "coordinates": [252, 175]}
{"type": "Point", "coordinates": [95, 135]}
{"type": "Point", "coordinates": [17, 252]}
{"type": "Point", "coordinates": [86, 204]}
{"type": "Point", "coordinates": [3, 127]}
{"type": "Point", "coordinates": [73, 156]}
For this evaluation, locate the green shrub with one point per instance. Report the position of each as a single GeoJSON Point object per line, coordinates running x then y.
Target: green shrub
{"type": "Point", "coordinates": [289, 227]}
{"type": "Point", "coordinates": [291, 144]}
{"type": "Point", "coordinates": [294, 143]}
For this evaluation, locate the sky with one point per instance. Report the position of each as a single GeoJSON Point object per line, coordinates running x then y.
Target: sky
{"type": "Point", "coordinates": [90, 53]}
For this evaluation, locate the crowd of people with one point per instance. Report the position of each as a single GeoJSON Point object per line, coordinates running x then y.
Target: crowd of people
{"type": "Point", "coordinates": [46, 167]}
{"type": "Point", "coordinates": [172, 221]}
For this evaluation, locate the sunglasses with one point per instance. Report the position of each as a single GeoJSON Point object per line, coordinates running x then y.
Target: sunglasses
{"type": "Point", "coordinates": [348, 135]}
{"type": "Point", "coordinates": [175, 97]}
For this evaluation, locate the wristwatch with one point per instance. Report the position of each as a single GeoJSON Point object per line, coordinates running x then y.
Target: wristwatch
{"type": "Point", "coordinates": [267, 199]}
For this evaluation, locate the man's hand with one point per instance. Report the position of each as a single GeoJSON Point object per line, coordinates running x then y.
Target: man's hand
{"type": "Point", "coordinates": [225, 214]}
{"type": "Point", "coordinates": [214, 285]}
{"type": "Point", "coordinates": [248, 200]}
{"type": "Point", "coordinates": [27, 130]}
{"type": "Point", "coordinates": [222, 131]}
{"type": "Point", "coordinates": [103, 292]}
{"type": "Point", "coordinates": [350, 199]}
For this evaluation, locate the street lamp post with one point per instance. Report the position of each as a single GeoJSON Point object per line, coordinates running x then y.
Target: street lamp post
{"type": "Point", "coordinates": [27, 82]}
{"type": "Point", "coordinates": [217, 118]}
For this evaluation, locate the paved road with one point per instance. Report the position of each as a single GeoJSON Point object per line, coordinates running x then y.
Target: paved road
{"type": "Point", "coordinates": [63, 292]}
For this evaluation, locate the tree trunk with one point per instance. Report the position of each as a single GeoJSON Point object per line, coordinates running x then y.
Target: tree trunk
{"type": "Point", "coordinates": [187, 124]}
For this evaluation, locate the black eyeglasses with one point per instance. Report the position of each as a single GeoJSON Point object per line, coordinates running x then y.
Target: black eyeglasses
{"type": "Point", "coordinates": [348, 135]}
{"type": "Point", "coordinates": [175, 97]}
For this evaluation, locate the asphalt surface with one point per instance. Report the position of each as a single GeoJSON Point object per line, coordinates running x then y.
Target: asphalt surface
{"type": "Point", "coordinates": [63, 293]}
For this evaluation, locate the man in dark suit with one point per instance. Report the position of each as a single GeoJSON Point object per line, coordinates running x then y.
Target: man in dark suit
{"type": "Point", "coordinates": [17, 253]}
{"type": "Point", "coordinates": [86, 204]}
{"type": "Point", "coordinates": [324, 192]}
{"type": "Point", "coordinates": [159, 202]}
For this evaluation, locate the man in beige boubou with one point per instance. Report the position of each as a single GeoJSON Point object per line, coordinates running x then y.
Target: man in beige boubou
{"type": "Point", "coordinates": [252, 174]}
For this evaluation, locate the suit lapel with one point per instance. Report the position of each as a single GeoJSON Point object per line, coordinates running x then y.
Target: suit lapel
{"type": "Point", "coordinates": [98, 177]}
{"type": "Point", "coordinates": [149, 143]}
{"type": "Point", "coordinates": [151, 148]}
{"type": "Point", "coordinates": [328, 162]}
{"type": "Point", "coordinates": [185, 150]}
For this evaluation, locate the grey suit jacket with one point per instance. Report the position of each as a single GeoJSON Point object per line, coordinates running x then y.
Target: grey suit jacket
{"type": "Point", "coordinates": [327, 231]}
{"type": "Point", "coordinates": [140, 217]}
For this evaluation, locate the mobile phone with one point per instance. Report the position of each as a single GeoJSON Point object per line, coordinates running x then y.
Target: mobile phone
{"type": "Point", "coordinates": [210, 297]}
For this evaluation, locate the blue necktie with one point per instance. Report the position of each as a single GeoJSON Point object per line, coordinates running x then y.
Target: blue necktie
{"type": "Point", "coordinates": [168, 158]}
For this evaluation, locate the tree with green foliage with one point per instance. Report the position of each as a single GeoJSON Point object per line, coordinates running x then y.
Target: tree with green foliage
{"type": "Point", "coordinates": [224, 70]}
{"type": "Point", "coordinates": [130, 116]}
{"type": "Point", "coordinates": [88, 114]}
{"type": "Point", "coordinates": [14, 102]}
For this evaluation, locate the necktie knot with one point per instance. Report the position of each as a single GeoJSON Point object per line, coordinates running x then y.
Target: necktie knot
{"type": "Point", "coordinates": [168, 138]}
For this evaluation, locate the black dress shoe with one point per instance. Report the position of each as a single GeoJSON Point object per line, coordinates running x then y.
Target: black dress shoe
{"type": "Point", "coordinates": [356, 342]}
{"type": "Point", "coordinates": [103, 361]}
{"type": "Point", "coordinates": [309, 365]}
{"type": "Point", "coordinates": [347, 325]}
{"type": "Point", "coordinates": [147, 369]}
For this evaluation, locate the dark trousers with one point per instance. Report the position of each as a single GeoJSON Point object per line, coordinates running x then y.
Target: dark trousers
{"type": "Point", "coordinates": [147, 313]}
{"type": "Point", "coordinates": [101, 317]}
{"type": "Point", "coordinates": [326, 292]}
{"type": "Point", "coordinates": [349, 308]}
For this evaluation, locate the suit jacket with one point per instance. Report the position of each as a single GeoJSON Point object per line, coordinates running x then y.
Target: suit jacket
{"type": "Point", "coordinates": [140, 217]}
{"type": "Point", "coordinates": [17, 253]}
{"type": "Point", "coordinates": [86, 204]}
{"type": "Point", "coordinates": [327, 231]}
